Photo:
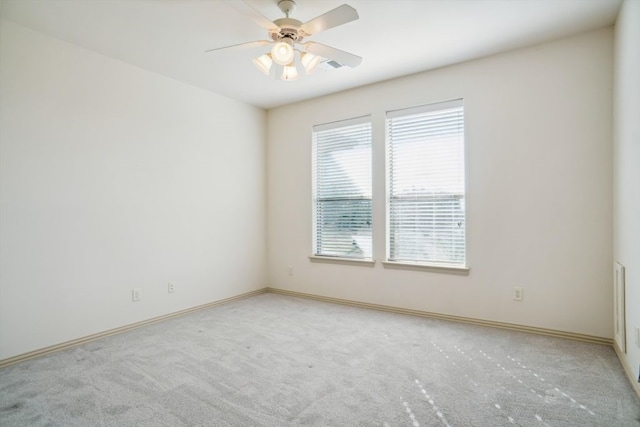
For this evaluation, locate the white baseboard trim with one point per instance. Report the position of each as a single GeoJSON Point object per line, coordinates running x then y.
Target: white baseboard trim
{"type": "Point", "coordinates": [470, 320]}
{"type": "Point", "coordinates": [74, 343]}
{"type": "Point", "coordinates": [627, 370]}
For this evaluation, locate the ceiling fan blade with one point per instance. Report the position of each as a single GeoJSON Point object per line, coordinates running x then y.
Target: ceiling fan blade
{"type": "Point", "coordinates": [338, 16]}
{"type": "Point", "coordinates": [247, 45]}
{"type": "Point", "coordinates": [344, 58]}
{"type": "Point", "coordinates": [246, 9]}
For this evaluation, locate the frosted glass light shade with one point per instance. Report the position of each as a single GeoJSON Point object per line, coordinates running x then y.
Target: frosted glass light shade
{"type": "Point", "coordinates": [290, 72]}
{"type": "Point", "coordinates": [263, 63]}
{"type": "Point", "coordinates": [309, 61]}
{"type": "Point", "coordinates": [282, 53]}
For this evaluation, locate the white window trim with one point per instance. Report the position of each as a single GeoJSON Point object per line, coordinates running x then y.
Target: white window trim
{"type": "Point", "coordinates": [464, 271]}
{"type": "Point", "coordinates": [342, 123]}
{"type": "Point", "coordinates": [331, 258]}
{"type": "Point", "coordinates": [407, 265]}
{"type": "Point", "coordinates": [340, 260]}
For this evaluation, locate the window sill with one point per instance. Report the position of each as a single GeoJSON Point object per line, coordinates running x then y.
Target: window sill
{"type": "Point", "coordinates": [463, 271]}
{"type": "Point", "coordinates": [338, 260]}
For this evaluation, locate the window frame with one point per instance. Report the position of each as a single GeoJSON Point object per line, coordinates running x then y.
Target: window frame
{"type": "Point", "coordinates": [316, 255]}
{"type": "Point", "coordinates": [435, 266]}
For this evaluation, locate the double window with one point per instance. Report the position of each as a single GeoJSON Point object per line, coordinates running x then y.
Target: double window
{"type": "Point", "coordinates": [425, 193]}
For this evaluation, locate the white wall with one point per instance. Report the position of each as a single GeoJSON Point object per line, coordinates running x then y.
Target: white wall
{"type": "Point", "coordinates": [114, 178]}
{"type": "Point", "coordinates": [626, 248]}
{"type": "Point", "coordinates": [539, 172]}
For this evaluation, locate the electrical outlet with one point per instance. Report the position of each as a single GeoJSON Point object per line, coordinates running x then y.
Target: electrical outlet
{"type": "Point", "coordinates": [517, 294]}
{"type": "Point", "coordinates": [170, 288]}
{"type": "Point", "coordinates": [135, 294]}
{"type": "Point", "coordinates": [290, 270]}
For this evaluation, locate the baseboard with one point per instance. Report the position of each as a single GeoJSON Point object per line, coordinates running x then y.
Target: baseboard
{"type": "Point", "coordinates": [627, 370]}
{"type": "Point", "coordinates": [461, 319]}
{"type": "Point", "coordinates": [84, 340]}
{"type": "Point", "coordinates": [468, 320]}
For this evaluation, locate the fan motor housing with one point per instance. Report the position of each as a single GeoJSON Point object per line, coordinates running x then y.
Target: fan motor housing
{"type": "Point", "coordinates": [289, 29]}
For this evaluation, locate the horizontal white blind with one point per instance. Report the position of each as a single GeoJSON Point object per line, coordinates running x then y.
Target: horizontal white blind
{"type": "Point", "coordinates": [426, 185]}
{"type": "Point", "coordinates": [342, 189]}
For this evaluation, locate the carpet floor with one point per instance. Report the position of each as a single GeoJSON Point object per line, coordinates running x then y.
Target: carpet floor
{"type": "Point", "coordinates": [274, 360]}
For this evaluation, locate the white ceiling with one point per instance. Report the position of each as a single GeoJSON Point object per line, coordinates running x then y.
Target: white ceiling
{"type": "Point", "coordinates": [395, 37]}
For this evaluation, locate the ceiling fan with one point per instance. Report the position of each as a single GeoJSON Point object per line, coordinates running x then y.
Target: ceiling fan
{"type": "Point", "coordinates": [287, 37]}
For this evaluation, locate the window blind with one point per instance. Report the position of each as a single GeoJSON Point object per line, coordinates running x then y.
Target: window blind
{"type": "Point", "coordinates": [426, 185]}
{"type": "Point", "coordinates": [342, 189]}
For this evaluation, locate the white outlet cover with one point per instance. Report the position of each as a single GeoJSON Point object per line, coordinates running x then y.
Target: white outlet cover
{"type": "Point", "coordinates": [518, 294]}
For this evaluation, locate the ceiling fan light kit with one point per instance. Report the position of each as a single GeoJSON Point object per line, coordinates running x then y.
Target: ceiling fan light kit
{"type": "Point", "coordinates": [282, 52]}
{"type": "Point", "coordinates": [287, 33]}
{"type": "Point", "coordinates": [263, 63]}
{"type": "Point", "coordinates": [290, 72]}
{"type": "Point", "coordinates": [309, 61]}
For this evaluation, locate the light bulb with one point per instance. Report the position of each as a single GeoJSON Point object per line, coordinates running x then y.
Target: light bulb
{"type": "Point", "coordinates": [282, 53]}
{"type": "Point", "coordinates": [263, 63]}
{"type": "Point", "coordinates": [290, 72]}
{"type": "Point", "coordinates": [309, 61]}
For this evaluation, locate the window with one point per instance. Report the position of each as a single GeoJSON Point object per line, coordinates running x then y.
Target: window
{"type": "Point", "coordinates": [342, 189]}
{"type": "Point", "coordinates": [426, 185]}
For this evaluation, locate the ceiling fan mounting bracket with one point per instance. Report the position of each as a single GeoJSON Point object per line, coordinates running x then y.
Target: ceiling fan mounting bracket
{"type": "Point", "coordinates": [287, 6]}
